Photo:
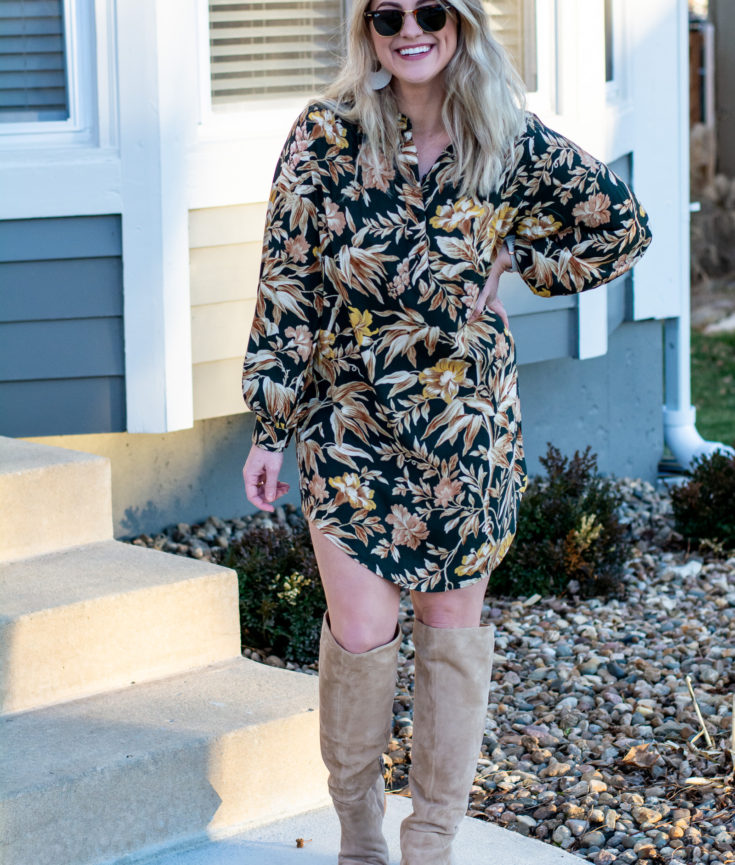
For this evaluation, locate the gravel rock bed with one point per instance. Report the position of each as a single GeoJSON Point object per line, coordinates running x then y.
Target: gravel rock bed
{"type": "Point", "coordinates": [590, 720]}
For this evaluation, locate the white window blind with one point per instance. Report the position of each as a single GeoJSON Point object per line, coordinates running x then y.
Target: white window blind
{"type": "Point", "coordinates": [33, 82]}
{"type": "Point", "coordinates": [272, 49]}
{"type": "Point", "coordinates": [513, 23]}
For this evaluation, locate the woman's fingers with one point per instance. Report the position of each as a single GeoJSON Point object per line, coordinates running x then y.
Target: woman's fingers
{"type": "Point", "coordinates": [256, 493]}
{"type": "Point", "coordinates": [503, 261]}
{"type": "Point", "coordinates": [497, 307]}
{"type": "Point", "coordinates": [260, 474]}
{"type": "Point", "coordinates": [489, 292]}
{"type": "Point", "coordinates": [488, 295]}
{"type": "Point", "coordinates": [254, 487]}
{"type": "Point", "coordinates": [260, 499]}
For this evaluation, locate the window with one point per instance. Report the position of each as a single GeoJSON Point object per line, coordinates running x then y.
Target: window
{"type": "Point", "coordinates": [272, 48]}
{"type": "Point", "coordinates": [33, 75]}
{"type": "Point", "coordinates": [617, 58]}
{"type": "Point", "coordinates": [609, 42]}
{"type": "Point", "coordinates": [514, 25]}
{"type": "Point", "coordinates": [278, 48]}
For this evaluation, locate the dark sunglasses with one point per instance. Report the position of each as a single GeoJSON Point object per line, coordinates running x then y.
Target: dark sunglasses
{"type": "Point", "coordinates": [389, 22]}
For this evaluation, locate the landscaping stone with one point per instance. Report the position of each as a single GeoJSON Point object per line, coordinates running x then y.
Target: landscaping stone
{"type": "Point", "coordinates": [589, 712]}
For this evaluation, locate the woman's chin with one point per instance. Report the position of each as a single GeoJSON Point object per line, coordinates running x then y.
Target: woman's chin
{"type": "Point", "coordinates": [416, 78]}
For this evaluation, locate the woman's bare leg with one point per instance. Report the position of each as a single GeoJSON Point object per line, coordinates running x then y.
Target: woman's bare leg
{"type": "Point", "coordinates": [363, 607]}
{"type": "Point", "coordinates": [460, 608]}
{"type": "Point", "coordinates": [358, 656]}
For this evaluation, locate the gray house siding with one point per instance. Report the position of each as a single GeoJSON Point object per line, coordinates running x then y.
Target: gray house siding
{"type": "Point", "coordinates": [62, 365]}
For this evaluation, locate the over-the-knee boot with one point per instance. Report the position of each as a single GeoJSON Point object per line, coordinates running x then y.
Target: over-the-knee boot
{"type": "Point", "coordinates": [355, 712]}
{"type": "Point", "coordinates": [453, 667]}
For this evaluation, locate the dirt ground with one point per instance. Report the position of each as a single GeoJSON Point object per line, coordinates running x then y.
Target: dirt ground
{"type": "Point", "coordinates": [712, 301]}
{"type": "Point", "coordinates": [712, 235]}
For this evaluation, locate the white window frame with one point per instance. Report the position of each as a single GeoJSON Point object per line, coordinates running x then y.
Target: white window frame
{"type": "Point", "coordinates": [46, 172]}
{"type": "Point", "coordinates": [544, 99]}
{"type": "Point", "coordinates": [616, 90]}
{"type": "Point", "coordinates": [80, 126]}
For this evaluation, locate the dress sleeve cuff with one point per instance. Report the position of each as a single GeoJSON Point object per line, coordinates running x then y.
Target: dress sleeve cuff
{"type": "Point", "coordinates": [510, 243]}
{"type": "Point", "coordinates": [522, 254]}
{"type": "Point", "coordinates": [270, 436]}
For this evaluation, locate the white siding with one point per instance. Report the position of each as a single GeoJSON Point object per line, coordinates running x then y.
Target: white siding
{"type": "Point", "coordinates": [225, 250]}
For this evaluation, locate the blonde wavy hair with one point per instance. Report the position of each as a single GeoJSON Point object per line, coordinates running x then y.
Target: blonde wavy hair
{"type": "Point", "coordinates": [483, 110]}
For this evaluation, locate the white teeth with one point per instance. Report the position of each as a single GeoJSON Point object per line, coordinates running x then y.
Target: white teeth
{"type": "Point", "coordinates": [420, 49]}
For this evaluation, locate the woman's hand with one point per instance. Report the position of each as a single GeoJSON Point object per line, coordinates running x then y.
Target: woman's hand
{"type": "Point", "coordinates": [260, 474]}
{"type": "Point", "coordinates": [488, 298]}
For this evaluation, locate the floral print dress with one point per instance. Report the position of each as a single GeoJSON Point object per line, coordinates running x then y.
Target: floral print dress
{"type": "Point", "coordinates": [406, 416]}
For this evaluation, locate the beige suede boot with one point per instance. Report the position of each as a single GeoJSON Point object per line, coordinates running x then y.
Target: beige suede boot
{"type": "Point", "coordinates": [453, 667]}
{"type": "Point", "coordinates": [355, 712]}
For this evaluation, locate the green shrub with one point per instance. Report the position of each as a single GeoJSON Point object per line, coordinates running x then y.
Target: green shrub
{"type": "Point", "coordinates": [281, 597]}
{"type": "Point", "coordinates": [704, 508]}
{"type": "Point", "coordinates": [568, 529]}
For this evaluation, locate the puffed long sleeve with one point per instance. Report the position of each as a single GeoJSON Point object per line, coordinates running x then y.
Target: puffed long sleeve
{"type": "Point", "coordinates": [289, 302]}
{"type": "Point", "coordinates": [577, 225]}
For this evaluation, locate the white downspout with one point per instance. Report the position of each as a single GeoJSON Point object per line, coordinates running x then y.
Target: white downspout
{"type": "Point", "coordinates": [680, 433]}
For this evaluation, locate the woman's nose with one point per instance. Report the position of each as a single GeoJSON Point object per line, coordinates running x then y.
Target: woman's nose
{"type": "Point", "coordinates": [410, 25]}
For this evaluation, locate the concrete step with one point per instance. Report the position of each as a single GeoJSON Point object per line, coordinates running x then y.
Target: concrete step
{"type": "Point", "coordinates": [51, 498]}
{"type": "Point", "coordinates": [98, 617]}
{"type": "Point", "coordinates": [477, 842]}
{"type": "Point", "coordinates": [165, 762]}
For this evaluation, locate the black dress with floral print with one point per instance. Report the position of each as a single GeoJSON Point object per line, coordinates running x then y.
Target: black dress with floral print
{"type": "Point", "coordinates": [406, 415]}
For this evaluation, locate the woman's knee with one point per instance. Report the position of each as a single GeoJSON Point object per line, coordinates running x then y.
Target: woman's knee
{"type": "Point", "coordinates": [436, 616]}
{"type": "Point", "coordinates": [358, 631]}
{"type": "Point", "coordinates": [358, 637]}
{"type": "Point", "coordinates": [363, 607]}
{"type": "Point", "coordinates": [459, 608]}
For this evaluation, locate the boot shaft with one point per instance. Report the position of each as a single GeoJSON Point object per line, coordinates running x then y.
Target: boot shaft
{"type": "Point", "coordinates": [453, 668]}
{"type": "Point", "coordinates": [355, 713]}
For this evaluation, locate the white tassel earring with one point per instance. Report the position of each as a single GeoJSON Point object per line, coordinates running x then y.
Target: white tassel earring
{"type": "Point", "coordinates": [379, 79]}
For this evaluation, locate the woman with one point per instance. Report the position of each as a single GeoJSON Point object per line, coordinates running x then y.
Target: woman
{"type": "Point", "coordinates": [380, 341]}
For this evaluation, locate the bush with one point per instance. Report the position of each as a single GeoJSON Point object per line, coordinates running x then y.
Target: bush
{"type": "Point", "coordinates": [704, 507]}
{"type": "Point", "coordinates": [568, 529]}
{"type": "Point", "coordinates": [281, 597]}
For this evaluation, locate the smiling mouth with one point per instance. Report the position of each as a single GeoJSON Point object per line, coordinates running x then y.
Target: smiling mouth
{"type": "Point", "coordinates": [414, 50]}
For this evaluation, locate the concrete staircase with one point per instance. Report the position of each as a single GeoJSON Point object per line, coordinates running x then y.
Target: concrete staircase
{"type": "Point", "coordinates": [129, 722]}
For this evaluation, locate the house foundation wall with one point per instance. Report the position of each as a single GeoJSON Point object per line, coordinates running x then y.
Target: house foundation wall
{"type": "Point", "coordinates": [612, 403]}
